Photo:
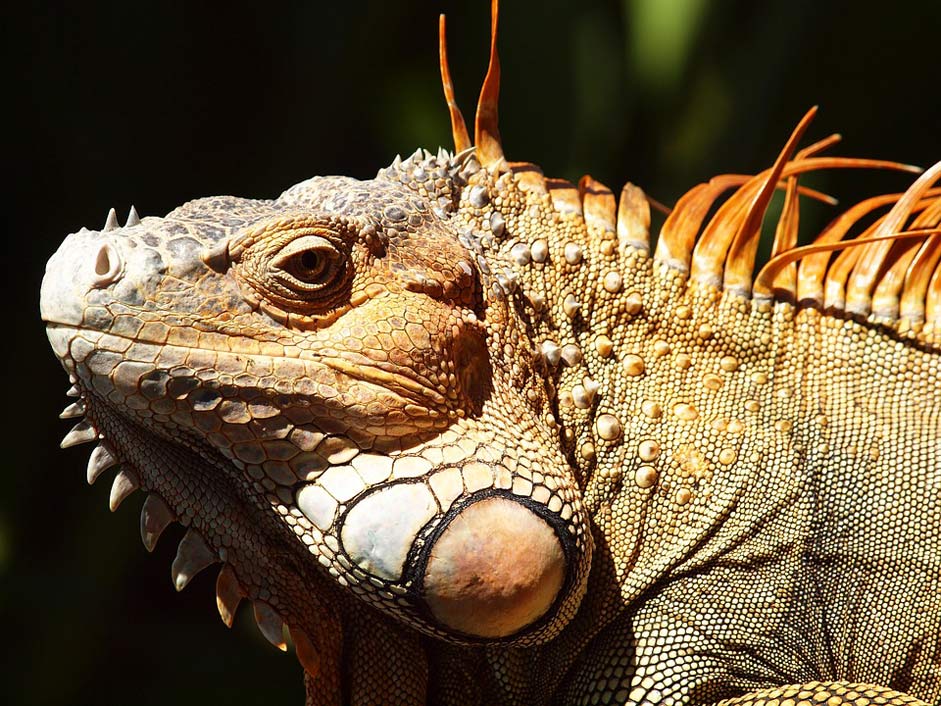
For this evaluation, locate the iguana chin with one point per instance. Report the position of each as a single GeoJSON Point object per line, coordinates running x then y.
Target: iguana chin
{"type": "Point", "coordinates": [460, 432]}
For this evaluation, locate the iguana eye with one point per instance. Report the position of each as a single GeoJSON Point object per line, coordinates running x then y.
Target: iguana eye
{"type": "Point", "coordinates": [296, 271]}
{"type": "Point", "coordinates": [308, 262]}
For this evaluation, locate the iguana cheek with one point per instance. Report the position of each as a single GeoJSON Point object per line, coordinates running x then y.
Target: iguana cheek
{"type": "Point", "coordinates": [497, 568]}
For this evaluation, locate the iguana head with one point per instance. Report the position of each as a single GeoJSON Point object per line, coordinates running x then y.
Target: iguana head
{"type": "Point", "coordinates": [350, 358]}
{"type": "Point", "coordinates": [345, 384]}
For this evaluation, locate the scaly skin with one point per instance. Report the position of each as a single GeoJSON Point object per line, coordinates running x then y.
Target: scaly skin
{"type": "Point", "coordinates": [459, 431]}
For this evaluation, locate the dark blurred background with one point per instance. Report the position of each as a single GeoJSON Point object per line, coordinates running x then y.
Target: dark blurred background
{"type": "Point", "coordinates": [155, 103]}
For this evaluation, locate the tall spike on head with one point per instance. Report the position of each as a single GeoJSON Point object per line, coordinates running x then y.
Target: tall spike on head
{"type": "Point", "coordinates": [486, 133]}
{"type": "Point", "coordinates": [458, 126]}
{"type": "Point", "coordinates": [111, 222]}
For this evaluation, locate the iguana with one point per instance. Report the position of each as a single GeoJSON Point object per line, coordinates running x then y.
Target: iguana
{"type": "Point", "coordinates": [470, 442]}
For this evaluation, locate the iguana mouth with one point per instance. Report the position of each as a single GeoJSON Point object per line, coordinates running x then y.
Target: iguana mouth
{"type": "Point", "coordinates": [408, 387]}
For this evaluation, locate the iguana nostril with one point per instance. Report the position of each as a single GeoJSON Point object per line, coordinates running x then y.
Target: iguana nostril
{"type": "Point", "coordinates": [107, 265]}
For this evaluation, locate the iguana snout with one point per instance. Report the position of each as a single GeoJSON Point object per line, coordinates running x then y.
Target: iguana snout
{"type": "Point", "coordinates": [93, 262]}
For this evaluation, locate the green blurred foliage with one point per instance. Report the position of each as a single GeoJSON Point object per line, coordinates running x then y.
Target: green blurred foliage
{"type": "Point", "coordinates": [154, 103]}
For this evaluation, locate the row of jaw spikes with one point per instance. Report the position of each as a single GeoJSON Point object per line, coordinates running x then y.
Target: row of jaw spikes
{"type": "Point", "coordinates": [193, 554]}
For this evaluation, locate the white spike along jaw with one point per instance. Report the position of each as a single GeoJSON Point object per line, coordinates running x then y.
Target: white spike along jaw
{"type": "Point", "coordinates": [132, 218]}
{"type": "Point", "coordinates": [81, 433]}
{"type": "Point", "coordinates": [270, 624]}
{"type": "Point", "coordinates": [155, 515]}
{"type": "Point", "coordinates": [306, 652]}
{"type": "Point", "coordinates": [100, 460]}
{"type": "Point", "coordinates": [192, 556]}
{"type": "Point", "coordinates": [73, 411]}
{"type": "Point", "coordinates": [74, 391]}
{"type": "Point", "coordinates": [228, 594]}
{"type": "Point", "coordinates": [124, 484]}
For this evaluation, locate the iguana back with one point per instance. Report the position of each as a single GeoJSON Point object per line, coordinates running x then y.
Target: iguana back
{"type": "Point", "coordinates": [462, 433]}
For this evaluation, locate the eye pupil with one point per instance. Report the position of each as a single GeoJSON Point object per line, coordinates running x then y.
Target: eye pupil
{"type": "Point", "coordinates": [310, 260]}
